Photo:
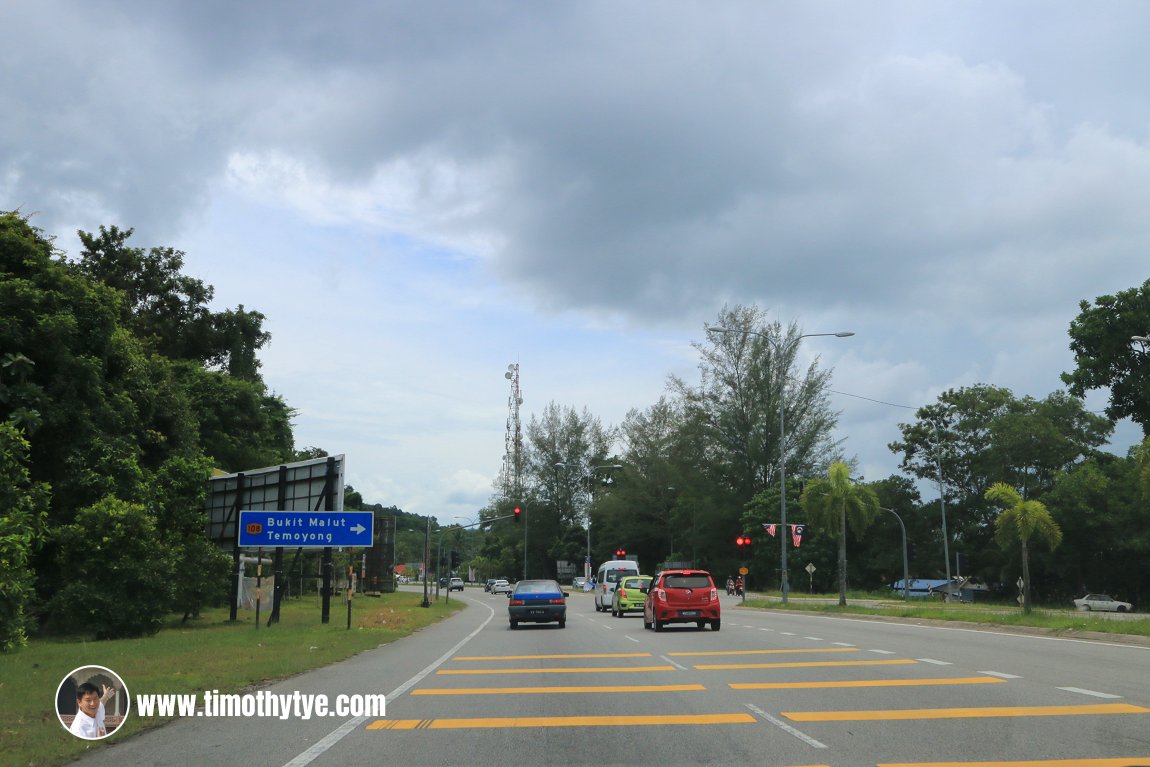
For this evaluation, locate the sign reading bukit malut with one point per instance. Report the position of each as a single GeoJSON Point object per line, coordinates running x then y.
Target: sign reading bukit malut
{"type": "Point", "coordinates": [305, 528]}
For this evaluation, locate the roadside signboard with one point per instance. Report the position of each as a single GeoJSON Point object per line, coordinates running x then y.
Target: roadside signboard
{"type": "Point", "coordinates": [306, 529]}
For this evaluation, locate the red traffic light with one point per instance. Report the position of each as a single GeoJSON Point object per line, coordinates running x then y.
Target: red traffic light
{"type": "Point", "coordinates": [740, 541]}
{"type": "Point", "coordinates": [518, 513]}
{"type": "Point", "coordinates": [620, 553]}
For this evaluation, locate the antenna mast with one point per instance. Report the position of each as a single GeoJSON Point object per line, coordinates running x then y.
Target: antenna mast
{"type": "Point", "coordinates": [513, 450]}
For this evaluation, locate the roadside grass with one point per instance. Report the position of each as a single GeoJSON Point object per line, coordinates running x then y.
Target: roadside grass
{"type": "Point", "coordinates": [1058, 621]}
{"type": "Point", "coordinates": [207, 654]}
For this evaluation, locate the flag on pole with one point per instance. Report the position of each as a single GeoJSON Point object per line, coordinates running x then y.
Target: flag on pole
{"type": "Point", "coordinates": [770, 529]}
{"type": "Point", "coordinates": [797, 534]}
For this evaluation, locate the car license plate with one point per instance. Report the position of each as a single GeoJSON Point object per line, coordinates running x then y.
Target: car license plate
{"type": "Point", "coordinates": [536, 612]}
{"type": "Point", "coordinates": [689, 613]}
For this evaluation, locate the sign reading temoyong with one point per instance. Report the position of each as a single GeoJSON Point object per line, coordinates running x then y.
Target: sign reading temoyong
{"type": "Point", "coordinates": [314, 529]}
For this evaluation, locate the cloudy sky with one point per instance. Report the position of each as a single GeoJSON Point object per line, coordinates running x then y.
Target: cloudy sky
{"type": "Point", "coordinates": [418, 194]}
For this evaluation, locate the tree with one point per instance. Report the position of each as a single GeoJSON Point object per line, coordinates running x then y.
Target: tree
{"type": "Point", "coordinates": [1018, 523]}
{"type": "Point", "coordinates": [837, 501]}
{"type": "Point", "coordinates": [21, 526]}
{"type": "Point", "coordinates": [120, 576]}
{"type": "Point", "coordinates": [982, 434]}
{"type": "Point", "coordinates": [1104, 358]}
{"type": "Point", "coordinates": [745, 369]}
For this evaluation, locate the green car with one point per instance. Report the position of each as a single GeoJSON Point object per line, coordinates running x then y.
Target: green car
{"type": "Point", "coordinates": [630, 595]}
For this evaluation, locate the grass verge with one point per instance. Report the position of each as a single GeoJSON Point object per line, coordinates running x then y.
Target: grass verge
{"type": "Point", "coordinates": [209, 654]}
{"type": "Point", "coordinates": [1054, 621]}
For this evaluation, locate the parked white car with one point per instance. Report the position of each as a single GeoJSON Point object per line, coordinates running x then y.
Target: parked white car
{"type": "Point", "coordinates": [1102, 603]}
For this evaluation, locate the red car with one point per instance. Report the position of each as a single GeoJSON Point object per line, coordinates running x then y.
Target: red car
{"type": "Point", "coordinates": [682, 596]}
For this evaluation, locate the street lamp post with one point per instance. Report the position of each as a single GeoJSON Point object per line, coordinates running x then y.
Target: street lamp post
{"type": "Point", "coordinates": [591, 485]}
{"type": "Point", "coordinates": [905, 564]}
{"type": "Point", "coordinates": [779, 353]}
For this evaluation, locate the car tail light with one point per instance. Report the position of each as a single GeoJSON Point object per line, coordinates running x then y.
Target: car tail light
{"type": "Point", "coordinates": [714, 595]}
{"type": "Point", "coordinates": [516, 602]}
{"type": "Point", "coordinates": [557, 602]}
{"type": "Point", "coordinates": [661, 595]}
{"type": "Point", "coordinates": [622, 594]}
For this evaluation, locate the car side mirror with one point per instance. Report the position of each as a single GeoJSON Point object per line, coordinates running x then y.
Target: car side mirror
{"type": "Point", "coordinates": [509, 595]}
{"type": "Point", "coordinates": [566, 594]}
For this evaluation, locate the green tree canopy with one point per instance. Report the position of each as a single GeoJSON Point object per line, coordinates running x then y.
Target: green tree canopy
{"type": "Point", "coordinates": [1105, 358]}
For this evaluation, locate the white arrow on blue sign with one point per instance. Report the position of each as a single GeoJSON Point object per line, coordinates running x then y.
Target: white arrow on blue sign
{"type": "Point", "coordinates": [309, 529]}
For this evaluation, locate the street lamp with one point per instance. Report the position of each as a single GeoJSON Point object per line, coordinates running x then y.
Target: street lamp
{"type": "Point", "coordinates": [905, 566]}
{"type": "Point", "coordinates": [591, 484]}
{"type": "Point", "coordinates": [779, 353]}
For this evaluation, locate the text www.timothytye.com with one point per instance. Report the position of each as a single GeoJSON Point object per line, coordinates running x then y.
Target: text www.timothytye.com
{"type": "Point", "coordinates": [293, 705]}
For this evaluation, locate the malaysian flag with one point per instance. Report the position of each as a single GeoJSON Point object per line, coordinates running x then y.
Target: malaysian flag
{"type": "Point", "coordinates": [797, 534]}
{"type": "Point", "coordinates": [770, 529]}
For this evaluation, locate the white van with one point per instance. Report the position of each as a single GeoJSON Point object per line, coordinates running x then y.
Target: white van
{"type": "Point", "coordinates": [608, 577]}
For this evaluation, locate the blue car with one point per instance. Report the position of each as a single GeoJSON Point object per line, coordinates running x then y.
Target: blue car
{"type": "Point", "coordinates": [537, 602]}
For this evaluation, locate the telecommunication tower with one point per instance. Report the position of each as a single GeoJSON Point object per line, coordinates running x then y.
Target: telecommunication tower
{"type": "Point", "coordinates": [513, 450]}
{"type": "Point", "coordinates": [513, 440]}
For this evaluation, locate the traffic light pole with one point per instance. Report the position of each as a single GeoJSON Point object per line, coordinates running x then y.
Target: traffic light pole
{"type": "Point", "coordinates": [439, 557]}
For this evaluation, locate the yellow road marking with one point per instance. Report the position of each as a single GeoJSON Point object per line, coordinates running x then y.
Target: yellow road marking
{"type": "Point", "coordinates": [963, 713]}
{"type": "Point", "coordinates": [608, 669]}
{"type": "Point", "coordinates": [805, 664]}
{"type": "Point", "coordinates": [863, 683]}
{"type": "Point", "coordinates": [530, 690]}
{"type": "Point", "coordinates": [533, 657]}
{"type": "Point", "coordinates": [760, 652]}
{"type": "Point", "coordinates": [559, 721]}
{"type": "Point", "coordinates": [1120, 762]}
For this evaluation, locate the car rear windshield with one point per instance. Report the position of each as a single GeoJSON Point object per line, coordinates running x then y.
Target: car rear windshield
{"type": "Point", "coordinates": [537, 587]}
{"type": "Point", "coordinates": [687, 582]}
{"type": "Point", "coordinates": [634, 583]}
{"type": "Point", "coordinates": [613, 576]}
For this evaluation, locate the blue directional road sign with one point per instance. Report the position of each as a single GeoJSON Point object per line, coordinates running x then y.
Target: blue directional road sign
{"type": "Point", "coordinates": [309, 529]}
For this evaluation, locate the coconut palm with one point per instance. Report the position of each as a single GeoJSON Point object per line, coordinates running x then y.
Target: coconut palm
{"type": "Point", "coordinates": [835, 501]}
{"type": "Point", "coordinates": [1019, 521]}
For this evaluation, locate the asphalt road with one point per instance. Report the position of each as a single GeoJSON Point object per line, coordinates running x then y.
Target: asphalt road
{"type": "Point", "coordinates": [783, 689]}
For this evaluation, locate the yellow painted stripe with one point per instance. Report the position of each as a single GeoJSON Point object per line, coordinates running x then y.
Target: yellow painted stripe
{"type": "Point", "coordinates": [963, 713]}
{"type": "Point", "coordinates": [1137, 761]}
{"type": "Point", "coordinates": [533, 657]}
{"type": "Point", "coordinates": [544, 690]}
{"type": "Point", "coordinates": [760, 652]}
{"type": "Point", "coordinates": [864, 683]}
{"type": "Point", "coordinates": [559, 721]}
{"type": "Point", "coordinates": [608, 669]}
{"type": "Point", "coordinates": [805, 664]}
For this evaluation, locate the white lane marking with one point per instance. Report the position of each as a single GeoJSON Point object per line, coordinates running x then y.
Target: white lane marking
{"type": "Point", "coordinates": [842, 644]}
{"type": "Point", "coordinates": [787, 633]}
{"type": "Point", "coordinates": [1089, 692]}
{"type": "Point", "coordinates": [786, 727]}
{"type": "Point", "coordinates": [814, 639]}
{"type": "Point", "coordinates": [935, 662]}
{"type": "Point", "coordinates": [633, 639]}
{"type": "Point", "coordinates": [762, 629]}
{"type": "Point", "coordinates": [991, 632]}
{"type": "Point", "coordinates": [341, 732]}
{"type": "Point", "coordinates": [609, 628]}
{"type": "Point", "coordinates": [882, 652]}
{"type": "Point", "coordinates": [673, 663]}
{"type": "Point", "coordinates": [1000, 675]}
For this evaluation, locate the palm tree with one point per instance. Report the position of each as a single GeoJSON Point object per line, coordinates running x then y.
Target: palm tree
{"type": "Point", "coordinates": [1018, 522]}
{"type": "Point", "coordinates": [831, 503]}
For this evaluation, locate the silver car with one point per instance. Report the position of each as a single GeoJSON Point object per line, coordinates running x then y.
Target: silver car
{"type": "Point", "coordinates": [1102, 603]}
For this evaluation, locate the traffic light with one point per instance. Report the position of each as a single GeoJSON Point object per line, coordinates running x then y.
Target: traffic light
{"type": "Point", "coordinates": [743, 542]}
{"type": "Point", "coordinates": [910, 552]}
{"type": "Point", "coordinates": [620, 553]}
{"type": "Point", "coordinates": [518, 514]}
{"type": "Point", "coordinates": [455, 560]}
